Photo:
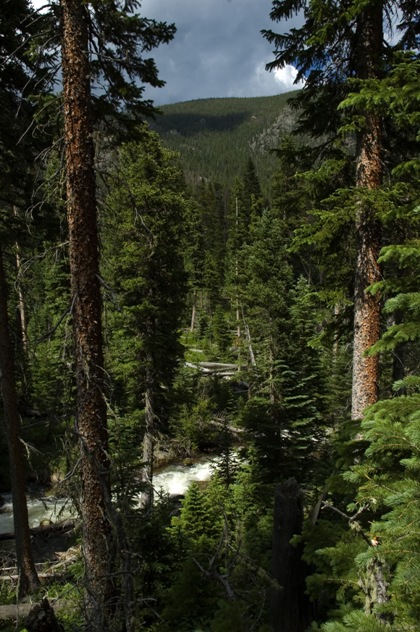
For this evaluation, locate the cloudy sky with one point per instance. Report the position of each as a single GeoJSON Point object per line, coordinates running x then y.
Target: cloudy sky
{"type": "Point", "coordinates": [218, 50]}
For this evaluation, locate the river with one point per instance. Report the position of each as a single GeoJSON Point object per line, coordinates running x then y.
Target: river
{"type": "Point", "coordinates": [173, 479]}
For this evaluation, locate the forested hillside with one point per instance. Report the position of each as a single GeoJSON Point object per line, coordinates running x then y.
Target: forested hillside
{"type": "Point", "coordinates": [234, 281]}
{"type": "Point", "coordinates": [215, 137]}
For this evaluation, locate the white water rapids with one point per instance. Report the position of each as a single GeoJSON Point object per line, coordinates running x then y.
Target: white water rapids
{"type": "Point", "coordinates": [173, 480]}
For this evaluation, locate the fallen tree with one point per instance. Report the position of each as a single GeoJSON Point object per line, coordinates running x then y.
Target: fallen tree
{"type": "Point", "coordinates": [53, 528]}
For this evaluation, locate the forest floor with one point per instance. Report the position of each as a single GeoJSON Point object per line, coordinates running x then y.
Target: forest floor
{"type": "Point", "coordinates": [14, 613]}
{"type": "Point", "coordinates": [53, 552]}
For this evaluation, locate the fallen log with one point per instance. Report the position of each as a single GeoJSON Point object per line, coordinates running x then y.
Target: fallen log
{"type": "Point", "coordinates": [220, 369]}
{"type": "Point", "coordinates": [49, 529]}
{"type": "Point", "coordinates": [217, 365]}
{"type": "Point", "coordinates": [43, 568]}
{"type": "Point", "coordinates": [19, 611]}
{"type": "Point", "coordinates": [230, 428]}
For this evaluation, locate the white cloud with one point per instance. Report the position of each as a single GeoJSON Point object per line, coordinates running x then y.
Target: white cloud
{"type": "Point", "coordinates": [264, 83]}
{"type": "Point", "coordinates": [286, 78]}
{"type": "Point", "coordinates": [37, 4]}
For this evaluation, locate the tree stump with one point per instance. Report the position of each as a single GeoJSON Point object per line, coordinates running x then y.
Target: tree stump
{"type": "Point", "coordinates": [41, 618]}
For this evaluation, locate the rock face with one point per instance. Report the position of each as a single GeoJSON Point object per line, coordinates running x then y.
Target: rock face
{"type": "Point", "coordinates": [41, 618]}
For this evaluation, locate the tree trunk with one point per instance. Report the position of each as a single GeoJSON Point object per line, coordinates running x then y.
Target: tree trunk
{"type": "Point", "coordinates": [249, 342]}
{"type": "Point", "coordinates": [148, 450]}
{"type": "Point", "coordinates": [41, 618]}
{"type": "Point", "coordinates": [87, 308]}
{"type": "Point", "coordinates": [238, 311]}
{"type": "Point", "coordinates": [368, 234]}
{"type": "Point", "coordinates": [21, 304]}
{"type": "Point", "coordinates": [366, 315]}
{"type": "Point", "coordinates": [193, 311]}
{"type": "Point", "coordinates": [290, 611]}
{"type": "Point", "coordinates": [28, 578]}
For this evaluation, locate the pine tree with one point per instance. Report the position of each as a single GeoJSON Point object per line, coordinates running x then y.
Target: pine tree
{"type": "Point", "coordinates": [369, 173]}
{"type": "Point", "coordinates": [334, 44]}
{"type": "Point", "coordinates": [212, 205]}
{"type": "Point", "coordinates": [375, 561]}
{"type": "Point", "coordinates": [194, 246]}
{"type": "Point", "coordinates": [146, 269]}
{"type": "Point", "coordinates": [101, 44]}
{"type": "Point", "coordinates": [245, 208]}
{"type": "Point", "coordinates": [387, 477]}
{"type": "Point", "coordinates": [28, 578]}
{"type": "Point", "coordinates": [284, 411]}
{"type": "Point", "coordinates": [15, 113]}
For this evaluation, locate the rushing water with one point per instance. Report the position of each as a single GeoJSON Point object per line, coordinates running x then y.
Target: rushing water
{"type": "Point", "coordinates": [39, 509]}
{"type": "Point", "coordinates": [173, 480]}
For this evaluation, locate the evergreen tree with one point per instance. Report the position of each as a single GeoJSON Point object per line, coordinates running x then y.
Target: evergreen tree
{"type": "Point", "coordinates": [118, 40]}
{"type": "Point", "coordinates": [222, 536]}
{"type": "Point", "coordinates": [14, 78]}
{"type": "Point", "coordinates": [373, 563]}
{"type": "Point", "coordinates": [91, 417]}
{"type": "Point", "coordinates": [212, 205]}
{"type": "Point", "coordinates": [287, 383]}
{"type": "Point", "coordinates": [194, 247]}
{"type": "Point", "coordinates": [145, 259]}
{"type": "Point", "coordinates": [252, 192]}
{"type": "Point", "coordinates": [245, 208]}
{"type": "Point", "coordinates": [28, 578]}
{"type": "Point", "coordinates": [334, 44]}
{"type": "Point", "coordinates": [101, 43]}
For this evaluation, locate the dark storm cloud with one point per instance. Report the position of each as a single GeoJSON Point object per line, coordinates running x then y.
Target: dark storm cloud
{"type": "Point", "coordinates": [218, 50]}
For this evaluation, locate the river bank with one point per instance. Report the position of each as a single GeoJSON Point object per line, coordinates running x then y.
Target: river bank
{"type": "Point", "coordinates": [173, 479]}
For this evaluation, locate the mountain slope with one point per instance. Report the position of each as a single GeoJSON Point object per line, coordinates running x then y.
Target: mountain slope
{"type": "Point", "coordinates": [215, 137]}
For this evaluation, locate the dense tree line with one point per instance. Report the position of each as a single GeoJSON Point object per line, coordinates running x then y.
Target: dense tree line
{"type": "Point", "coordinates": [124, 275]}
{"type": "Point", "coordinates": [213, 135]}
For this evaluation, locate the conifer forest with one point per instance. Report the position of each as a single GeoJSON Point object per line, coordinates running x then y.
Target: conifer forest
{"type": "Point", "coordinates": [225, 280]}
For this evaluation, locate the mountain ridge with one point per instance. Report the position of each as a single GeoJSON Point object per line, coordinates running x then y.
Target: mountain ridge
{"type": "Point", "coordinates": [215, 137]}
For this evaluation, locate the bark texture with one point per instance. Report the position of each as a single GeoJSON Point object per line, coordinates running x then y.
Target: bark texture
{"type": "Point", "coordinates": [28, 578]}
{"type": "Point", "coordinates": [368, 232]}
{"type": "Point", "coordinates": [87, 309]}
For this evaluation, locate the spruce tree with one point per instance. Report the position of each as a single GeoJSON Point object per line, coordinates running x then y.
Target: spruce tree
{"type": "Point", "coordinates": [100, 44]}
{"type": "Point", "coordinates": [28, 578]}
{"type": "Point", "coordinates": [212, 206]}
{"type": "Point", "coordinates": [91, 420]}
{"type": "Point", "coordinates": [372, 562]}
{"type": "Point", "coordinates": [245, 209]}
{"type": "Point", "coordinates": [146, 269]}
{"type": "Point", "coordinates": [15, 162]}
{"type": "Point", "coordinates": [333, 45]}
{"type": "Point", "coordinates": [287, 383]}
